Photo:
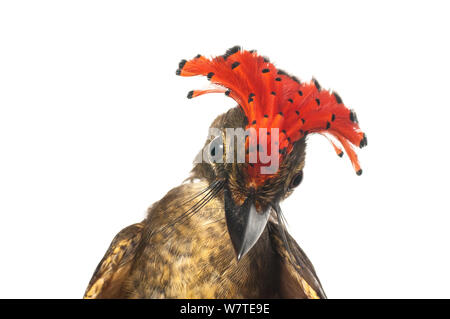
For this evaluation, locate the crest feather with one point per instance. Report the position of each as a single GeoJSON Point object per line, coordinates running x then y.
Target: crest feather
{"type": "Point", "coordinates": [272, 98]}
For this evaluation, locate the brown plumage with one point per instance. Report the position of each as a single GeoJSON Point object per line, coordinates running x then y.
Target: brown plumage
{"type": "Point", "coordinates": [207, 238]}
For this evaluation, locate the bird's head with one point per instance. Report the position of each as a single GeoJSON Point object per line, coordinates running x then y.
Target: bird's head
{"type": "Point", "coordinates": [256, 151]}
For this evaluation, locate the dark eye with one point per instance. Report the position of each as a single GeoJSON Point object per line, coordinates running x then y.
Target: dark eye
{"type": "Point", "coordinates": [216, 146]}
{"type": "Point", "coordinates": [296, 180]}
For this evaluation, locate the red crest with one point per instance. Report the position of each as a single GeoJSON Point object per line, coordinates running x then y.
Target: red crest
{"type": "Point", "coordinates": [271, 98]}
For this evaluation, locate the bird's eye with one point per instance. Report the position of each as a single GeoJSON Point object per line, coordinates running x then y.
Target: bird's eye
{"type": "Point", "coordinates": [216, 147]}
{"type": "Point", "coordinates": [296, 180]}
{"type": "Point", "coordinates": [213, 150]}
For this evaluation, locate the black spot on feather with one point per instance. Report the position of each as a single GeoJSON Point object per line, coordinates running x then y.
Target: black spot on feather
{"type": "Point", "coordinates": [231, 51]}
{"type": "Point", "coordinates": [181, 64]}
{"type": "Point", "coordinates": [363, 141]}
{"type": "Point", "coordinates": [265, 70]}
{"type": "Point", "coordinates": [359, 172]}
{"type": "Point", "coordinates": [190, 94]}
{"type": "Point", "coordinates": [353, 117]}
{"type": "Point", "coordinates": [235, 65]}
{"type": "Point", "coordinates": [210, 75]}
{"type": "Point", "coordinates": [338, 98]}
{"type": "Point", "coordinates": [295, 79]}
{"type": "Point", "coordinates": [316, 84]}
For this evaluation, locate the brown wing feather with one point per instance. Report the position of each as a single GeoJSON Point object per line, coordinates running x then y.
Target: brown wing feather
{"type": "Point", "coordinates": [296, 281]}
{"type": "Point", "coordinates": [109, 276]}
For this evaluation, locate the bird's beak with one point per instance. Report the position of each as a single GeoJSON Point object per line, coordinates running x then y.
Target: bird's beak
{"type": "Point", "coordinates": [245, 224]}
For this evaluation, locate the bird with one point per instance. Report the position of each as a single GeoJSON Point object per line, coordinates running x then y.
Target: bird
{"type": "Point", "coordinates": [221, 233]}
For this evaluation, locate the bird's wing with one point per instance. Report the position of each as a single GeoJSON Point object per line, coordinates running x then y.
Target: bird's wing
{"type": "Point", "coordinates": [113, 269]}
{"type": "Point", "coordinates": [298, 277]}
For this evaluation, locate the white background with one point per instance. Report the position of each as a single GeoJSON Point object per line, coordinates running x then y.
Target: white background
{"type": "Point", "coordinates": [95, 127]}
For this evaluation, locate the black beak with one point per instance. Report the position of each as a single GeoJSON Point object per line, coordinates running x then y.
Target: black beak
{"type": "Point", "coordinates": [245, 224]}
